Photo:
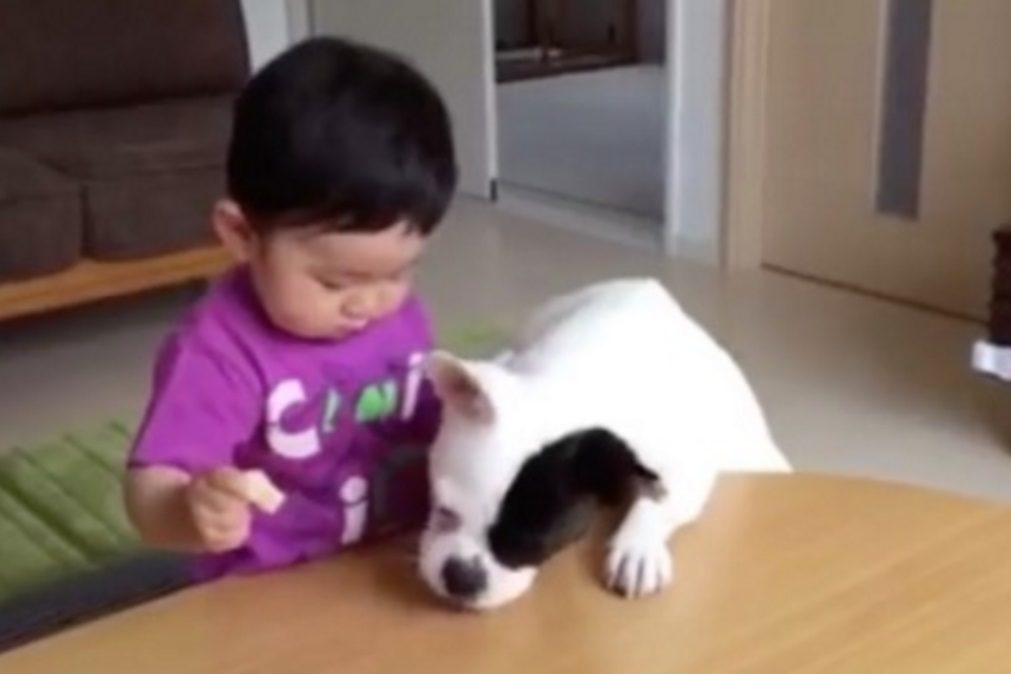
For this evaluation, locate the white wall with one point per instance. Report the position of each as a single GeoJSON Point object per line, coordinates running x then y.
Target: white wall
{"type": "Point", "coordinates": [299, 19]}
{"type": "Point", "coordinates": [696, 45]}
{"type": "Point", "coordinates": [267, 29]}
{"type": "Point", "coordinates": [448, 40]}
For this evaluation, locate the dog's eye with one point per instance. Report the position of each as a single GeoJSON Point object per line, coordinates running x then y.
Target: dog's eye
{"type": "Point", "coordinates": [445, 520]}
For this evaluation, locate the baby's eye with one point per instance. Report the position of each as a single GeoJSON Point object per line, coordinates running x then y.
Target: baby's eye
{"type": "Point", "coordinates": [332, 286]}
{"type": "Point", "coordinates": [445, 520]}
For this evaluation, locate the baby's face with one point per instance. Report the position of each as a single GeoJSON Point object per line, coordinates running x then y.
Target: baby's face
{"type": "Point", "coordinates": [326, 285]}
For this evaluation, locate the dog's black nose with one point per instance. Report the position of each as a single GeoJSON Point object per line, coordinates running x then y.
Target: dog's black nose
{"type": "Point", "coordinates": [464, 579]}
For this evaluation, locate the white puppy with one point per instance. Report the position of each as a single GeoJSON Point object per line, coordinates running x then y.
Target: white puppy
{"type": "Point", "coordinates": [611, 394]}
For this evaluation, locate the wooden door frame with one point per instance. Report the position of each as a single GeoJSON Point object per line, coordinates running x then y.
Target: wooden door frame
{"type": "Point", "coordinates": [747, 109]}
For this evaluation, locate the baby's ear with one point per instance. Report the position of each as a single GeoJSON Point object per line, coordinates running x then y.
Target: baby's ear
{"type": "Point", "coordinates": [459, 387]}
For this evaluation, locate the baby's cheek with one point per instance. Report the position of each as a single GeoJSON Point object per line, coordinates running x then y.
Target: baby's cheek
{"type": "Point", "coordinates": [286, 293]}
{"type": "Point", "coordinates": [394, 296]}
{"type": "Point", "coordinates": [299, 307]}
{"type": "Point", "coordinates": [316, 304]}
{"type": "Point", "coordinates": [305, 312]}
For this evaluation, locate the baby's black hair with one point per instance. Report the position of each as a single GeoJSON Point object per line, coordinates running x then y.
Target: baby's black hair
{"type": "Point", "coordinates": [343, 135]}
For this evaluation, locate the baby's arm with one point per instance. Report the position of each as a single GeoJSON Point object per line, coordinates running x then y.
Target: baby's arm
{"type": "Point", "coordinates": [174, 510]}
{"type": "Point", "coordinates": [182, 489]}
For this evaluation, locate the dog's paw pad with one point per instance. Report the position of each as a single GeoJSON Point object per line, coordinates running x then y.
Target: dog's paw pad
{"type": "Point", "coordinates": [638, 568]}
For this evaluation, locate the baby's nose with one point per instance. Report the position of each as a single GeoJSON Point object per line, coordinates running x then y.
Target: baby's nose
{"type": "Point", "coordinates": [464, 579]}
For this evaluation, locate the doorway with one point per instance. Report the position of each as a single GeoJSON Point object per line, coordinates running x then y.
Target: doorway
{"type": "Point", "coordinates": [581, 103]}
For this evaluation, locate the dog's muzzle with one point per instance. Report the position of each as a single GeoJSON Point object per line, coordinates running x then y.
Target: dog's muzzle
{"type": "Point", "coordinates": [464, 579]}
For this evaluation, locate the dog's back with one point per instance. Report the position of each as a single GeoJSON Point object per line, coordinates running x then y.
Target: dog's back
{"type": "Point", "coordinates": [622, 354]}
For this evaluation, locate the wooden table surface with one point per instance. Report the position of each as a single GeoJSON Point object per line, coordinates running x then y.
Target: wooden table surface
{"type": "Point", "coordinates": [784, 574]}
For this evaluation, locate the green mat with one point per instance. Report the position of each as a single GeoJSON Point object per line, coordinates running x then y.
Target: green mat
{"type": "Point", "coordinates": [61, 509]}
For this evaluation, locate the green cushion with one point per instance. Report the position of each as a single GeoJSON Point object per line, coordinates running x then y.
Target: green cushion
{"type": "Point", "coordinates": [61, 508]}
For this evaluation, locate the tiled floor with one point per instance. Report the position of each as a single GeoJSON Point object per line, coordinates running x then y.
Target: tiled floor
{"type": "Point", "coordinates": [851, 385]}
{"type": "Point", "coordinates": [596, 137]}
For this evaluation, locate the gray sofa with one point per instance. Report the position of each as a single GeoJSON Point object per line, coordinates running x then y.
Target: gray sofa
{"type": "Point", "coordinates": [114, 120]}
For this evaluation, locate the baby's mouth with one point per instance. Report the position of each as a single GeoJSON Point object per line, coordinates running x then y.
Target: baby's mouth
{"type": "Point", "coordinates": [350, 327]}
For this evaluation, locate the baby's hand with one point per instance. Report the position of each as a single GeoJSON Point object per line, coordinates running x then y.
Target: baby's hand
{"type": "Point", "coordinates": [219, 504]}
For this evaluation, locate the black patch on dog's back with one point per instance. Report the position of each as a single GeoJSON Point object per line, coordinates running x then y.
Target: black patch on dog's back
{"type": "Point", "coordinates": [550, 503]}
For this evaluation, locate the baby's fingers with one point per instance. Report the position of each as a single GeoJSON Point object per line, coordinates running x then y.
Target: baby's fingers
{"type": "Point", "coordinates": [228, 481]}
{"type": "Point", "coordinates": [208, 499]}
{"type": "Point", "coordinates": [252, 486]}
{"type": "Point", "coordinates": [224, 536]}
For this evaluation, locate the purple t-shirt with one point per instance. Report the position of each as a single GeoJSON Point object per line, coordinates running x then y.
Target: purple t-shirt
{"type": "Point", "coordinates": [341, 427]}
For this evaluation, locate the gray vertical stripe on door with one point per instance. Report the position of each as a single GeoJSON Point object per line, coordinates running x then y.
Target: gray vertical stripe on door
{"type": "Point", "coordinates": [904, 106]}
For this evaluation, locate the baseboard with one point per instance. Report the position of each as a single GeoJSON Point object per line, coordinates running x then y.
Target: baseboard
{"type": "Point", "coordinates": [593, 220]}
{"type": "Point", "coordinates": [604, 223]}
{"type": "Point", "coordinates": [693, 248]}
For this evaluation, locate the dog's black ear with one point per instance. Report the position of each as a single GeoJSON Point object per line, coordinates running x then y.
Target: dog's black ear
{"type": "Point", "coordinates": [550, 503]}
{"type": "Point", "coordinates": [605, 467]}
{"type": "Point", "coordinates": [544, 510]}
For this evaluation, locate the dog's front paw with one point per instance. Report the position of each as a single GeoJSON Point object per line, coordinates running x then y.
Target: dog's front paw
{"type": "Point", "coordinates": [639, 566]}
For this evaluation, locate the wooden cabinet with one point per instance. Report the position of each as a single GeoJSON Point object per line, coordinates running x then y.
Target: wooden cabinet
{"type": "Point", "coordinates": [538, 38]}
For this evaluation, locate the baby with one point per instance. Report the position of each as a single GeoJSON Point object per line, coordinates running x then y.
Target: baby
{"type": "Point", "coordinates": [296, 383]}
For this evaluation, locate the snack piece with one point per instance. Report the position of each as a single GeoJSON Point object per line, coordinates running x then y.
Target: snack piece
{"type": "Point", "coordinates": [263, 493]}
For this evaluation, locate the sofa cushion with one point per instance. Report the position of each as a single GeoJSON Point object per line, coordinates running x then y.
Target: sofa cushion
{"type": "Point", "coordinates": [57, 54]}
{"type": "Point", "coordinates": [40, 218]}
{"type": "Point", "coordinates": [22, 177]}
{"type": "Point", "coordinates": [150, 173]}
{"type": "Point", "coordinates": [115, 142]}
{"type": "Point", "coordinates": [150, 214]}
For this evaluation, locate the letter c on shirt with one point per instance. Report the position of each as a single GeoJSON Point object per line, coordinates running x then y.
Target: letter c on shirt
{"type": "Point", "coordinates": [291, 445]}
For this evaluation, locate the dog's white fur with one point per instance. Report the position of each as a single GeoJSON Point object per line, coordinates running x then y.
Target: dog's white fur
{"type": "Point", "coordinates": [619, 355]}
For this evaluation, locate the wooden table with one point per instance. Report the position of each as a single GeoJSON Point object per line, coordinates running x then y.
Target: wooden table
{"type": "Point", "coordinates": [785, 574]}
